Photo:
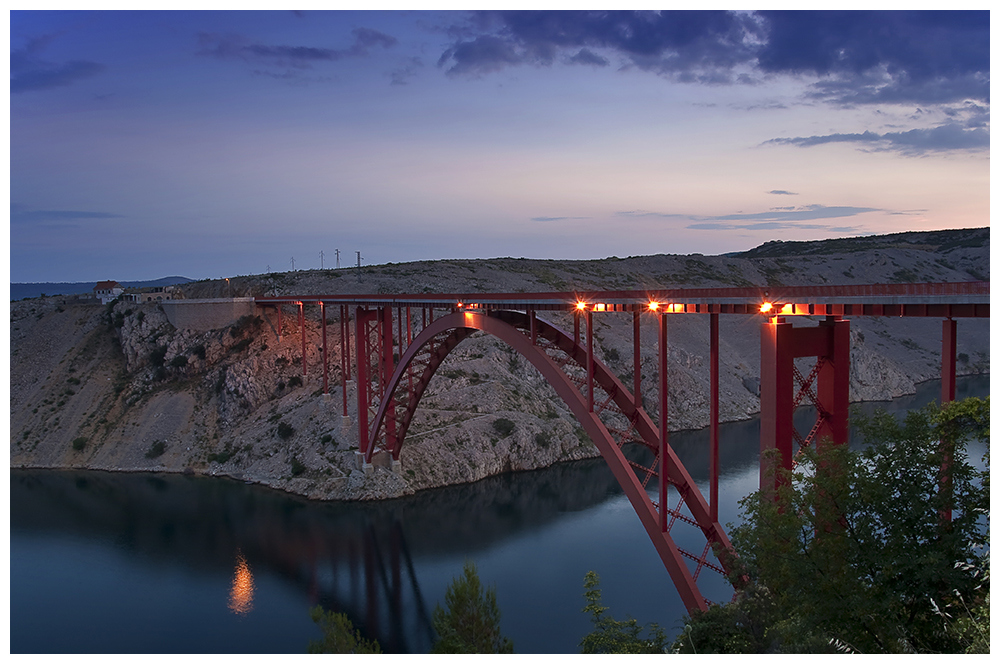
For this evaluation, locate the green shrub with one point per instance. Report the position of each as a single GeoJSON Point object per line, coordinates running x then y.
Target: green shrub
{"type": "Point", "coordinates": [157, 356]}
{"type": "Point", "coordinates": [295, 381]}
{"type": "Point", "coordinates": [79, 443]}
{"type": "Point", "coordinates": [326, 439]}
{"type": "Point", "coordinates": [297, 467]}
{"type": "Point", "coordinates": [503, 426]}
{"type": "Point", "coordinates": [199, 350]}
{"type": "Point", "coordinates": [542, 439]}
{"type": "Point", "coordinates": [285, 430]}
{"type": "Point", "coordinates": [240, 345]}
{"type": "Point", "coordinates": [156, 449]}
{"type": "Point", "coordinates": [179, 361]}
{"type": "Point", "coordinates": [244, 324]}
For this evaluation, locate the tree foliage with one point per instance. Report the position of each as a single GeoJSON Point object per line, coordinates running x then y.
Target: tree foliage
{"type": "Point", "coordinates": [471, 622]}
{"type": "Point", "coordinates": [339, 635]}
{"type": "Point", "coordinates": [611, 636]}
{"type": "Point", "coordinates": [854, 554]}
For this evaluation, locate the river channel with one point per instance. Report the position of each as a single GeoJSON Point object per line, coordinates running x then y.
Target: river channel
{"type": "Point", "coordinates": [153, 563]}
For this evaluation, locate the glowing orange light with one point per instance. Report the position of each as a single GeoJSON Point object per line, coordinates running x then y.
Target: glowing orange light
{"type": "Point", "coordinates": [459, 305]}
{"type": "Point", "coordinates": [788, 309]}
{"type": "Point", "coordinates": [653, 306]}
{"type": "Point", "coordinates": [767, 306]}
{"type": "Point", "coordinates": [581, 305]}
{"type": "Point", "coordinates": [241, 593]}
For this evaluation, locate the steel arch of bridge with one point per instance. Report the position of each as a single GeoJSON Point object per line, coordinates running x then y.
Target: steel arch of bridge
{"type": "Point", "coordinates": [608, 412]}
{"type": "Point", "coordinates": [610, 417]}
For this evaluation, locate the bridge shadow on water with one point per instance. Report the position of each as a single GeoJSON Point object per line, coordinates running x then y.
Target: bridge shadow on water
{"type": "Point", "coordinates": [357, 558]}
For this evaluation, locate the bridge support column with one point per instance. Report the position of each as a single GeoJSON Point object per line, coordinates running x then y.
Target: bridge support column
{"type": "Point", "coordinates": [386, 369]}
{"type": "Point", "coordinates": [590, 361]}
{"type": "Point", "coordinates": [664, 434]}
{"type": "Point", "coordinates": [364, 385]}
{"type": "Point", "coordinates": [302, 332]}
{"type": "Point", "coordinates": [636, 362]}
{"type": "Point", "coordinates": [326, 366]}
{"type": "Point", "coordinates": [949, 346]}
{"type": "Point", "coordinates": [345, 360]}
{"type": "Point", "coordinates": [780, 344]}
{"type": "Point", "coordinates": [713, 417]}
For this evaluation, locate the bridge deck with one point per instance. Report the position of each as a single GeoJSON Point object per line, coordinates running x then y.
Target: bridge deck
{"type": "Point", "coordinates": [949, 300]}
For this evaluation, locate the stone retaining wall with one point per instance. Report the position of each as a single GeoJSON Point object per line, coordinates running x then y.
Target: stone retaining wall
{"type": "Point", "coordinates": [204, 315]}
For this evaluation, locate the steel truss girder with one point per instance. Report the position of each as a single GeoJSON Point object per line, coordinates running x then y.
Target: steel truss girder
{"type": "Point", "coordinates": [515, 329]}
{"type": "Point", "coordinates": [781, 343]}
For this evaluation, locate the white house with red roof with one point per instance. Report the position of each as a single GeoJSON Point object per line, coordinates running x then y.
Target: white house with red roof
{"type": "Point", "coordinates": [106, 291]}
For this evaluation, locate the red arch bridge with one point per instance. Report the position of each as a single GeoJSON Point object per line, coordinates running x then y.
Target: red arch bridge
{"type": "Point", "coordinates": [401, 340]}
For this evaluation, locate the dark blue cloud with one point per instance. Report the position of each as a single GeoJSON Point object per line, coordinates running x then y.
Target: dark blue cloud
{"type": "Point", "coordinates": [915, 142]}
{"type": "Point", "coordinates": [231, 46]}
{"type": "Point", "coordinates": [28, 71]}
{"type": "Point", "coordinates": [859, 57]}
{"type": "Point", "coordinates": [557, 218]}
{"type": "Point", "coordinates": [886, 56]}
{"type": "Point", "coordinates": [782, 192]}
{"type": "Point", "coordinates": [587, 57]}
{"type": "Point", "coordinates": [702, 45]}
{"type": "Point", "coordinates": [402, 75]}
{"type": "Point", "coordinates": [18, 214]}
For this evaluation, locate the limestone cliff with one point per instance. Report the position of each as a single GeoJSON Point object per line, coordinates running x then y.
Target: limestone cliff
{"type": "Point", "coordinates": [117, 387]}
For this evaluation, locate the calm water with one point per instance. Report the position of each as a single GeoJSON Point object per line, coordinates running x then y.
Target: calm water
{"type": "Point", "coordinates": [106, 562]}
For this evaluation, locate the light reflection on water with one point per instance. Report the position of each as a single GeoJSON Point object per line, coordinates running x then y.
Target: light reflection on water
{"type": "Point", "coordinates": [241, 593]}
{"type": "Point", "coordinates": [533, 535]}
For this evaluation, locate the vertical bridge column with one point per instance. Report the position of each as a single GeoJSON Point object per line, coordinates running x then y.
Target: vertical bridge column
{"type": "Point", "coordinates": [302, 333]}
{"type": "Point", "coordinates": [780, 344]}
{"type": "Point", "coordinates": [713, 417]}
{"type": "Point", "coordinates": [949, 346]}
{"type": "Point", "coordinates": [664, 435]}
{"type": "Point", "coordinates": [361, 318]}
{"type": "Point", "coordinates": [386, 369]}
{"type": "Point", "coordinates": [326, 366]}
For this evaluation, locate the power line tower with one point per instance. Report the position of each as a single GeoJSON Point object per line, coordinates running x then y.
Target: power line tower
{"type": "Point", "coordinates": [359, 265]}
{"type": "Point", "coordinates": [293, 263]}
{"type": "Point", "coordinates": [321, 260]}
{"type": "Point", "coordinates": [337, 252]}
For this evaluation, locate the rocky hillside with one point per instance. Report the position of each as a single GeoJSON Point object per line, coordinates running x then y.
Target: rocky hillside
{"type": "Point", "coordinates": [119, 388]}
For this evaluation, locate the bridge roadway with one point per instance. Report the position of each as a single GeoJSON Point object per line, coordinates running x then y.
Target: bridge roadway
{"type": "Point", "coordinates": [394, 366]}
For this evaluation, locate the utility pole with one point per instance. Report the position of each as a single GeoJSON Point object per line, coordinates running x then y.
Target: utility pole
{"type": "Point", "coordinates": [293, 263]}
{"type": "Point", "coordinates": [359, 265]}
{"type": "Point", "coordinates": [337, 252]}
{"type": "Point", "coordinates": [321, 260]}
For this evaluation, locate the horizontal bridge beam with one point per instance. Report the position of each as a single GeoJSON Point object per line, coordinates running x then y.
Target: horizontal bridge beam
{"type": "Point", "coordinates": [940, 300]}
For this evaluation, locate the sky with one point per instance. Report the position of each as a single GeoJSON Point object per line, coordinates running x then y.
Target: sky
{"type": "Point", "coordinates": [209, 144]}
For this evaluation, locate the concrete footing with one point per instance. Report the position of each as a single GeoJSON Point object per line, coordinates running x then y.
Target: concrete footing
{"type": "Point", "coordinates": [379, 460]}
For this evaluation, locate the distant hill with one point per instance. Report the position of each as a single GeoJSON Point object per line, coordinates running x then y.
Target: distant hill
{"type": "Point", "coordinates": [21, 291]}
{"type": "Point", "coordinates": [938, 241]}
